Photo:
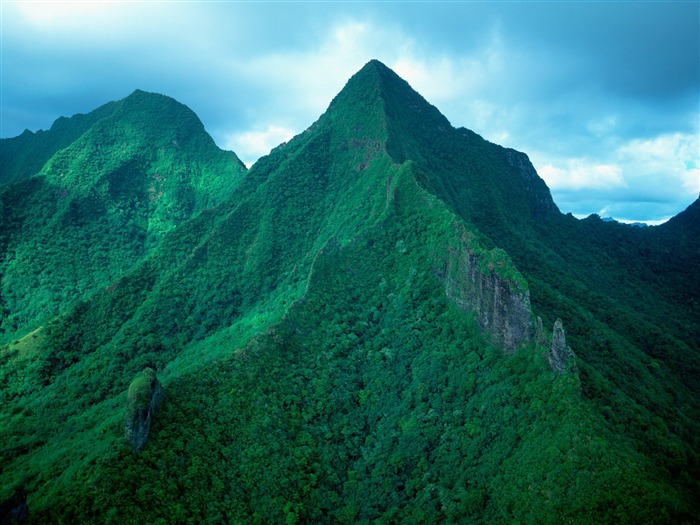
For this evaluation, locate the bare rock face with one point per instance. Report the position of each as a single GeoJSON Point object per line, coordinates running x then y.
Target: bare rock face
{"type": "Point", "coordinates": [143, 398]}
{"type": "Point", "coordinates": [560, 354]}
{"type": "Point", "coordinates": [502, 309]}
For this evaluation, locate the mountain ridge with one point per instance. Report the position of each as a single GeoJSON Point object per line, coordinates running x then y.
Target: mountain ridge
{"type": "Point", "coordinates": [114, 186]}
{"type": "Point", "coordinates": [359, 330]}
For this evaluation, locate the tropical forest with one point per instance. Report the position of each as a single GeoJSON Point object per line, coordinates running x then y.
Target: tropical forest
{"type": "Point", "coordinates": [385, 320]}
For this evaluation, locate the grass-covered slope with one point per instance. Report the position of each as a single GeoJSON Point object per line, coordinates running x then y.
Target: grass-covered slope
{"type": "Point", "coordinates": [133, 170]}
{"type": "Point", "coordinates": [327, 340]}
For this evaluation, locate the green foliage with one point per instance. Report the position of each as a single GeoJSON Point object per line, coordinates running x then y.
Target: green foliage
{"type": "Point", "coordinates": [140, 389]}
{"type": "Point", "coordinates": [133, 171]}
{"type": "Point", "coordinates": [316, 369]}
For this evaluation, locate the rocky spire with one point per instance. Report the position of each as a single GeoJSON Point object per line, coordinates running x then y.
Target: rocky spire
{"type": "Point", "coordinates": [560, 353]}
{"type": "Point", "coordinates": [144, 395]}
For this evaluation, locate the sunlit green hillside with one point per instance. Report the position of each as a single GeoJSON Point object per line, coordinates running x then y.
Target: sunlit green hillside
{"type": "Point", "coordinates": [385, 320]}
{"type": "Point", "coordinates": [112, 184]}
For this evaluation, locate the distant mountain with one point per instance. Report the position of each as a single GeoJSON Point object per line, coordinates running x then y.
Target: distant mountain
{"type": "Point", "coordinates": [637, 224]}
{"type": "Point", "coordinates": [386, 319]}
{"type": "Point", "coordinates": [110, 184]}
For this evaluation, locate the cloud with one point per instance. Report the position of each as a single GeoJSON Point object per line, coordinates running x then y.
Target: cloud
{"type": "Point", "coordinates": [602, 97]}
{"type": "Point", "coordinates": [311, 76]}
{"type": "Point", "coordinates": [646, 179]}
{"type": "Point", "coordinates": [251, 145]}
{"type": "Point", "coordinates": [672, 158]}
{"type": "Point", "coordinates": [581, 174]}
{"type": "Point", "coordinates": [71, 19]}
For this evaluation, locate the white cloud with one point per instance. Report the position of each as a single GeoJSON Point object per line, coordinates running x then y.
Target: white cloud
{"type": "Point", "coordinates": [639, 179]}
{"type": "Point", "coordinates": [251, 145]}
{"type": "Point", "coordinates": [73, 24]}
{"type": "Point", "coordinates": [673, 158]}
{"type": "Point", "coordinates": [603, 126]}
{"type": "Point", "coordinates": [312, 77]}
{"type": "Point", "coordinates": [581, 174]}
{"type": "Point", "coordinates": [649, 222]}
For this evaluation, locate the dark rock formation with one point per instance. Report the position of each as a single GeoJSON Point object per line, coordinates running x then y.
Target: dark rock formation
{"type": "Point", "coordinates": [502, 310]}
{"type": "Point", "coordinates": [539, 197]}
{"type": "Point", "coordinates": [143, 398]}
{"type": "Point", "coordinates": [560, 354]}
{"type": "Point", "coordinates": [15, 509]}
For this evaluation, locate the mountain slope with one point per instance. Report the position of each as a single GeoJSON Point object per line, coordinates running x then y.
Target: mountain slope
{"type": "Point", "coordinates": [344, 339]}
{"type": "Point", "coordinates": [622, 293]}
{"type": "Point", "coordinates": [25, 155]}
{"type": "Point", "coordinates": [133, 170]}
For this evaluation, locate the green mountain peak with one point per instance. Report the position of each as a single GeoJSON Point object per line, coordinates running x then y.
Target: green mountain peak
{"type": "Point", "coordinates": [489, 184]}
{"type": "Point", "coordinates": [376, 93]}
{"type": "Point", "coordinates": [386, 319]}
{"type": "Point", "coordinates": [115, 180]}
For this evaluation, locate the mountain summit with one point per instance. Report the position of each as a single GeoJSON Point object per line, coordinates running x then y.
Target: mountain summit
{"type": "Point", "coordinates": [459, 166]}
{"type": "Point", "coordinates": [376, 88]}
{"type": "Point", "coordinates": [111, 184]}
{"type": "Point", "coordinates": [386, 319]}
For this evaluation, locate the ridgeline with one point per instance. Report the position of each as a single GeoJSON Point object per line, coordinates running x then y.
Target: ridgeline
{"type": "Point", "coordinates": [386, 319]}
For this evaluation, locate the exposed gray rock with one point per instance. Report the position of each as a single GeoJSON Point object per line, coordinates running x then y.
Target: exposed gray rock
{"type": "Point", "coordinates": [143, 398]}
{"type": "Point", "coordinates": [502, 310]}
{"type": "Point", "coordinates": [561, 358]}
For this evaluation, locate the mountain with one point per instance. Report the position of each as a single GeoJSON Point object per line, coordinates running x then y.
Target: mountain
{"type": "Point", "coordinates": [110, 185]}
{"type": "Point", "coordinates": [386, 319]}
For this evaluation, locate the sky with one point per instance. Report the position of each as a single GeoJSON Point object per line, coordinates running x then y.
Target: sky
{"type": "Point", "coordinates": [604, 97]}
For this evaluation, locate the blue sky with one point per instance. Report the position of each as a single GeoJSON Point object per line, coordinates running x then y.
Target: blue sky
{"type": "Point", "coordinates": [603, 96]}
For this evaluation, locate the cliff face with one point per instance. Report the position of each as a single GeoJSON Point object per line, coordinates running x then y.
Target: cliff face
{"type": "Point", "coordinates": [144, 395]}
{"type": "Point", "coordinates": [539, 198]}
{"type": "Point", "coordinates": [503, 311]}
{"type": "Point", "coordinates": [559, 353]}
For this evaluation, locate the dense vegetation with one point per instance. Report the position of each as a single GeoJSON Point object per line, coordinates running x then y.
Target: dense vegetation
{"type": "Point", "coordinates": [132, 172]}
{"type": "Point", "coordinates": [315, 366]}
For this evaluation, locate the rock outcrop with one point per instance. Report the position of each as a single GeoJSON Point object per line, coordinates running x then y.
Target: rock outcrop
{"type": "Point", "coordinates": [561, 358]}
{"type": "Point", "coordinates": [143, 398]}
{"type": "Point", "coordinates": [502, 309]}
{"type": "Point", "coordinates": [542, 206]}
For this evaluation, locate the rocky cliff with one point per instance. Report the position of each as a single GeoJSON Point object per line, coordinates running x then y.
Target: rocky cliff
{"type": "Point", "coordinates": [143, 398]}
{"type": "Point", "coordinates": [561, 357]}
{"type": "Point", "coordinates": [502, 308]}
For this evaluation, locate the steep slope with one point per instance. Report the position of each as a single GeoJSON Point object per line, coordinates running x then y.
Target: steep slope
{"type": "Point", "coordinates": [344, 340]}
{"type": "Point", "coordinates": [132, 171]}
{"type": "Point", "coordinates": [626, 295]}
